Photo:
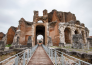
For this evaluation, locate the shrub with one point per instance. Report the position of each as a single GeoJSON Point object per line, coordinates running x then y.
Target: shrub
{"type": "Point", "coordinates": [40, 41]}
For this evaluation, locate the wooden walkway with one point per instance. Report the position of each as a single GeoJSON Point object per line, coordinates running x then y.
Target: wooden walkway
{"type": "Point", "coordinates": [40, 57]}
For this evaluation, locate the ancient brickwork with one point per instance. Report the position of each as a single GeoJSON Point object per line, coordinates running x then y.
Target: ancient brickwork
{"type": "Point", "coordinates": [59, 26]}
{"type": "Point", "coordinates": [10, 34]}
{"type": "Point", "coordinates": [61, 16]}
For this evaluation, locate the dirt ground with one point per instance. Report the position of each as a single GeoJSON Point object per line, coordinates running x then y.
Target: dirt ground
{"type": "Point", "coordinates": [3, 57]}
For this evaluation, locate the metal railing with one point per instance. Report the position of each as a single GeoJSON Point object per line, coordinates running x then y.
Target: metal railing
{"type": "Point", "coordinates": [60, 58]}
{"type": "Point", "coordinates": [21, 58]}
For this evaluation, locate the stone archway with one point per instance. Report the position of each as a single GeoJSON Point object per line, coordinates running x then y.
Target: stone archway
{"type": "Point", "coordinates": [67, 33]}
{"type": "Point", "coordinates": [40, 30]}
{"type": "Point", "coordinates": [40, 21]}
{"type": "Point", "coordinates": [76, 32]}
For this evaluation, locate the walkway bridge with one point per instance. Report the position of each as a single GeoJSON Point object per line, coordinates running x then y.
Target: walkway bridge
{"type": "Point", "coordinates": [42, 55]}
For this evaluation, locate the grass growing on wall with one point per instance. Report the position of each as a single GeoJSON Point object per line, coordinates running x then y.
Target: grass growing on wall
{"type": "Point", "coordinates": [8, 45]}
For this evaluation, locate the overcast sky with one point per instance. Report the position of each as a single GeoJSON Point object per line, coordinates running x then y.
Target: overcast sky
{"type": "Point", "coordinates": [12, 10]}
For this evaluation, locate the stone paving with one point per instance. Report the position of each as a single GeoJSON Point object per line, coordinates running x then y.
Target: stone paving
{"type": "Point", "coordinates": [40, 57]}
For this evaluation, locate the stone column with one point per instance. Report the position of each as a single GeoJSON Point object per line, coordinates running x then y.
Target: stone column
{"type": "Point", "coordinates": [72, 33]}
{"type": "Point", "coordinates": [85, 37]}
{"type": "Point", "coordinates": [47, 31]}
{"type": "Point", "coordinates": [61, 32]}
{"type": "Point", "coordinates": [33, 43]}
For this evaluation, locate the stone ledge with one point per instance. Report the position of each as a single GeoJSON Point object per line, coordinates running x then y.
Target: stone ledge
{"type": "Point", "coordinates": [5, 52]}
{"type": "Point", "coordinates": [78, 54]}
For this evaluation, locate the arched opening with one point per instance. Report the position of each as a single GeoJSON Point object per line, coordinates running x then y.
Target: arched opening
{"type": "Point", "coordinates": [40, 21]}
{"type": "Point", "coordinates": [83, 36]}
{"type": "Point", "coordinates": [76, 32]}
{"type": "Point", "coordinates": [67, 32]}
{"type": "Point", "coordinates": [86, 34]}
{"type": "Point", "coordinates": [39, 39]}
{"type": "Point", "coordinates": [40, 31]}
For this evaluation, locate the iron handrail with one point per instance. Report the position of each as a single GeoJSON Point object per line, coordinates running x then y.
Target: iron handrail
{"type": "Point", "coordinates": [25, 55]}
{"type": "Point", "coordinates": [55, 54]}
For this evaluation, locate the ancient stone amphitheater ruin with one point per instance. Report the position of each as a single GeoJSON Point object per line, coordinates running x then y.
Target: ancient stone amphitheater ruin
{"type": "Point", "coordinates": [56, 25]}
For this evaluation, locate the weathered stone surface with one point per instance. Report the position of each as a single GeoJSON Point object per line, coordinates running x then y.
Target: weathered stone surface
{"type": "Point", "coordinates": [77, 54]}
{"type": "Point", "coordinates": [4, 39]}
{"type": "Point", "coordinates": [5, 52]}
{"type": "Point", "coordinates": [2, 45]}
{"type": "Point", "coordinates": [72, 22]}
{"type": "Point", "coordinates": [90, 41]}
{"type": "Point", "coordinates": [60, 26]}
{"type": "Point", "coordinates": [15, 41]}
{"type": "Point", "coordinates": [29, 42]}
{"type": "Point", "coordinates": [50, 42]}
{"type": "Point", "coordinates": [77, 41]}
{"type": "Point", "coordinates": [61, 16]}
{"type": "Point", "coordinates": [19, 49]}
{"type": "Point", "coordinates": [61, 44]}
{"type": "Point", "coordinates": [10, 34]}
{"type": "Point", "coordinates": [1, 35]}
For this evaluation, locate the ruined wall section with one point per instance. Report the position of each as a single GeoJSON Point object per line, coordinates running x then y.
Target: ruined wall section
{"type": "Point", "coordinates": [10, 34]}
{"type": "Point", "coordinates": [43, 18]}
{"type": "Point", "coordinates": [73, 26]}
{"type": "Point", "coordinates": [69, 16]}
{"type": "Point", "coordinates": [50, 16]}
{"type": "Point", "coordinates": [53, 33]}
{"type": "Point", "coordinates": [61, 16]}
{"type": "Point", "coordinates": [22, 32]}
{"type": "Point", "coordinates": [1, 35]}
{"type": "Point", "coordinates": [28, 31]}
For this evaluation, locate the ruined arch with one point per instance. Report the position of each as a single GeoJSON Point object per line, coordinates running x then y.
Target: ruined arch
{"type": "Point", "coordinates": [39, 38]}
{"type": "Point", "coordinates": [40, 30]}
{"type": "Point", "coordinates": [76, 31]}
{"type": "Point", "coordinates": [67, 33]}
{"type": "Point", "coordinates": [40, 21]}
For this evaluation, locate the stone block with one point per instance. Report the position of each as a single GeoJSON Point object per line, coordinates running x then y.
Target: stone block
{"type": "Point", "coordinates": [50, 41]}
{"type": "Point", "coordinates": [1, 52]}
{"type": "Point", "coordinates": [29, 42]}
{"type": "Point", "coordinates": [89, 41]}
{"type": "Point", "coordinates": [1, 35]}
{"type": "Point", "coordinates": [61, 44]}
{"type": "Point", "coordinates": [2, 45]}
{"type": "Point", "coordinates": [77, 41]}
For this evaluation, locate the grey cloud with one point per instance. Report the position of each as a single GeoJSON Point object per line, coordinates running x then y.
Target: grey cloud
{"type": "Point", "coordinates": [81, 8]}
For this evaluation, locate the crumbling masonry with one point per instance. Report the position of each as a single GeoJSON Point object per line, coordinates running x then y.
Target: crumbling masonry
{"type": "Point", "coordinates": [57, 25]}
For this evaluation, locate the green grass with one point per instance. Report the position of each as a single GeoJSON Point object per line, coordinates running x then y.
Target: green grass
{"type": "Point", "coordinates": [8, 45]}
{"type": "Point", "coordinates": [90, 48]}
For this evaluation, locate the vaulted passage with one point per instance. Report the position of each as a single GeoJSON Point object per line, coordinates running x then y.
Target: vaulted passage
{"type": "Point", "coordinates": [76, 32]}
{"type": "Point", "coordinates": [67, 35]}
{"type": "Point", "coordinates": [40, 30]}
